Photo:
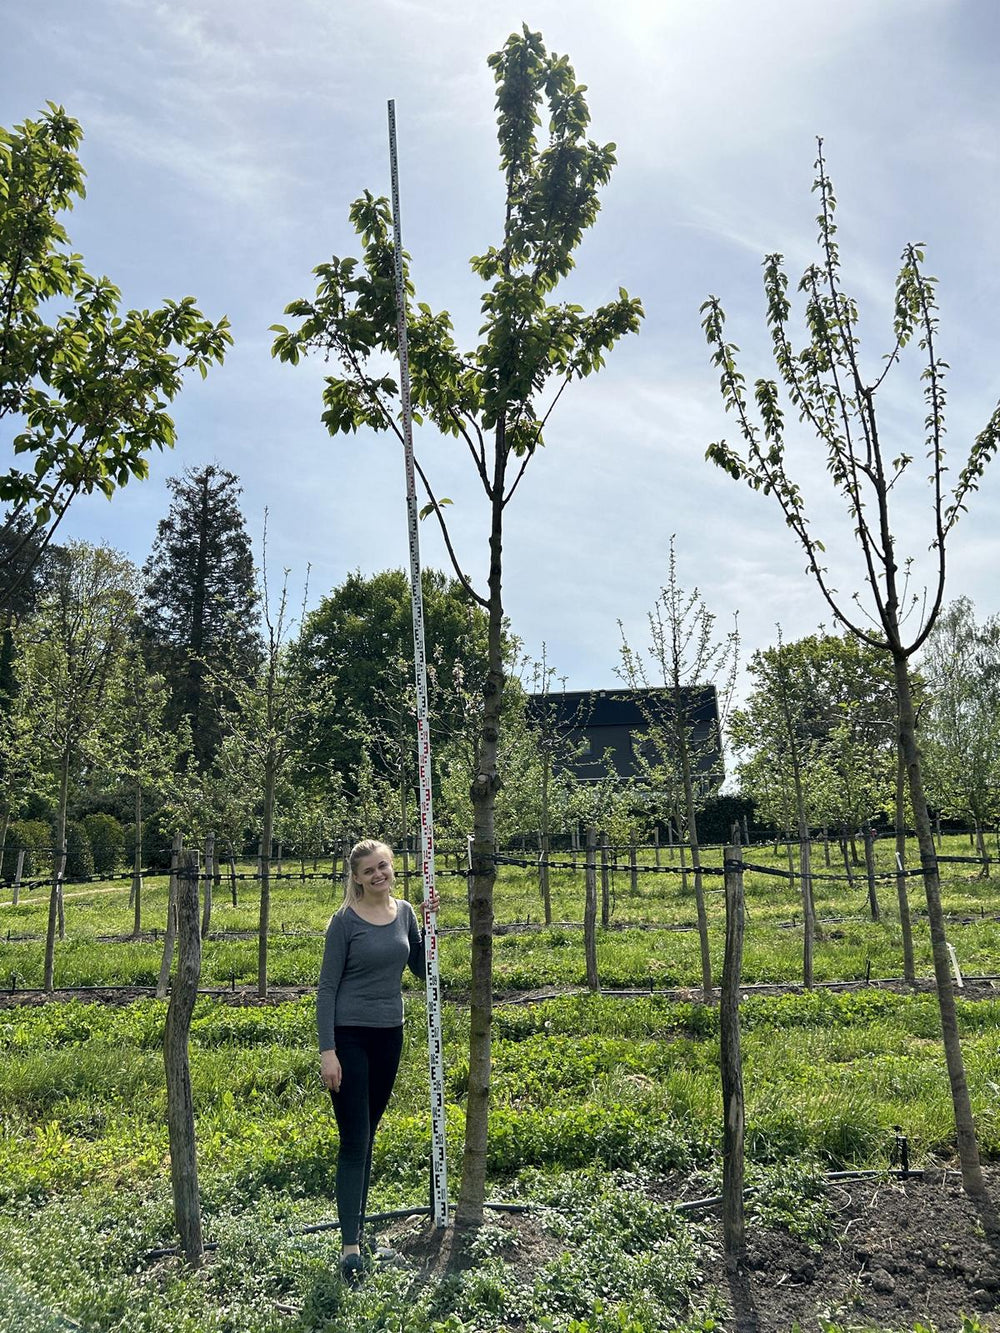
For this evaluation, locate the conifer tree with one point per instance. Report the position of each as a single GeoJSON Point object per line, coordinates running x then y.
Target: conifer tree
{"type": "Point", "coordinates": [199, 605]}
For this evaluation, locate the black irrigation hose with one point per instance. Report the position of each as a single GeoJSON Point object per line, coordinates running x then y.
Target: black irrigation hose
{"type": "Point", "coordinates": [167, 1251]}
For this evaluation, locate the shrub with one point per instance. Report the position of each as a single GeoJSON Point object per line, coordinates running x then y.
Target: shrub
{"type": "Point", "coordinates": [107, 840]}
{"type": "Point", "coordinates": [79, 853]}
{"type": "Point", "coordinates": [33, 838]}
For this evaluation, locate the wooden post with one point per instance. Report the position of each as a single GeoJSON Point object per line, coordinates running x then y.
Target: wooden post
{"type": "Point", "coordinates": [180, 1105]}
{"type": "Point", "coordinates": [733, 1230]}
{"type": "Point", "coordinates": [870, 872]}
{"type": "Point", "coordinates": [170, 933]}
{"type": "Point", "coordinates": [206, 915]}
{"type": "Point", "coordinates": [590, 911]}
{"type": "Point", "coordinates": [656, 843]}
{"type": "Point", "coordinates": [605, 883]}
{"type": "Point", "coordinates": [16, 892]}
{"type": "Point", "coordinates": [633, 869]}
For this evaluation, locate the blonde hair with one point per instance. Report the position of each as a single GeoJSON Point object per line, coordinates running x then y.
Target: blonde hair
{"type": "Point", "coordinates": [366, 847]}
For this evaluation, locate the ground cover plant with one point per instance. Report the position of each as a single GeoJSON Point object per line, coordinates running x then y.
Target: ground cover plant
{"type": "Point", "coordinates": [606, 1118]}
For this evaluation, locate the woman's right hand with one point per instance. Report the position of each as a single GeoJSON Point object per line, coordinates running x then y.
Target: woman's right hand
{"type": "Point", "coordinates": [329, 1070]}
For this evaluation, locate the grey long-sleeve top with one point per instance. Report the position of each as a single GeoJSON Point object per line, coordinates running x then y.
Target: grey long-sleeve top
{"type": "Point", "coordinates": [359, 982]}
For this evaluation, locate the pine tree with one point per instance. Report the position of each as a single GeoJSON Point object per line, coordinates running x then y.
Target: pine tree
{"type": "Point", "coordinates": [199, 605]}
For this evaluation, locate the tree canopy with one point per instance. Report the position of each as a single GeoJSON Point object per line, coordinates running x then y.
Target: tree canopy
{"type": "Point", "coordinates": [84, 392]}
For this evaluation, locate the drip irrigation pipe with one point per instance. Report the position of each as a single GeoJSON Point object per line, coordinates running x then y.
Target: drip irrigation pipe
{"type": "Point", "coordinates": [394, 1214]}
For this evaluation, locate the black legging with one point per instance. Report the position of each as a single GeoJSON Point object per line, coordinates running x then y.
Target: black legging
{"type": "Point", "coordinates": [369, 1059]}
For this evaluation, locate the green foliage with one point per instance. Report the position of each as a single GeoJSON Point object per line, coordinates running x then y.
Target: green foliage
{"type": "Point", "coordinates": [86, 393]}
{"type": "Point", "coordinates": [34, 837]}
{"type": "Point", "coordinates": [79, 853]}
{"type": "Point", "coordinates": [107, 841]}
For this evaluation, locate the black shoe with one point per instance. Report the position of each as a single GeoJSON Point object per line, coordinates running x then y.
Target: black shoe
{"type": "Point", "coordinates": [352, 1269]}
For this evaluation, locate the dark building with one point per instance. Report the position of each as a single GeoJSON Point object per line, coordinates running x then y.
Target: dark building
{"type": "Point", "coordinates": [595, 726]}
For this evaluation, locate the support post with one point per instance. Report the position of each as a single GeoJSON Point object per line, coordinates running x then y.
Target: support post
{"type": "Point", "coordinates": [16, 891]}
{"type": "Point", "coordinates": [870, 872]}
{"type": "Point", "coordinates": [209, 880]}
{"type": "Point", "coordinates": [180, 1104]}
{"type": "Point", "coordinates": [605, 883]}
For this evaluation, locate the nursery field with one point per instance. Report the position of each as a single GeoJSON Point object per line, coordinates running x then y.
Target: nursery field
{"type": "Point", "coordinates": [606, 1122]}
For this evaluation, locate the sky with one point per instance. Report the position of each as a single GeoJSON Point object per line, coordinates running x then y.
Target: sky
{"type": "Point", "coordinates": [225, 140]}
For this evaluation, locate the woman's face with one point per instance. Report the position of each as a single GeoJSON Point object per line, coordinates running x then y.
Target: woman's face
{"type": "Point", "coordinates": [374, 873]}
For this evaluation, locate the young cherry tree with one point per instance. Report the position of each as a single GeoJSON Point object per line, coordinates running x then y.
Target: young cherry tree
{"type": "Point", "coordinates": [494, 401]}
{"type": "Point", "coordinates": [684, 655]}
{"type": "Point", "coordinates": [834, 396]}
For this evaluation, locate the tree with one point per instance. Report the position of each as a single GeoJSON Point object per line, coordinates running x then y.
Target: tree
{"type": "Point", "coordinates": [684, 655]}
{"type": "Point", "coordinates": [74, 651]}
{"type": "Point", "coordinates": [270, 710]}
{"type": "Point", "coordinates": [86, 394]}
{"type": "Point", "coordinates": [362, 634]}
{"type": "Point", "coordinates": [495, 400]}
{"type": "Point", "coordinates": [199, 603]}
{"type": "Point", "coordinates": [961, 726]}
{"type": "Point", "coordinates": [835, 397]}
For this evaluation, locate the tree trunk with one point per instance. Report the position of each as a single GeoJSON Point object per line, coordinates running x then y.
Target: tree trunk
{"type": "Point", "coordinates": [180, 1104]}
{"type": "Point", "coordinates": [965, 1128]}
{"type": "Point", "coordinates": [265, 876]}
{"type": "Point", "coordinates": [909, 969]}
{"type": "Point", "coordinates": [680, 733]}
{"type": "Point", "coordinates": [590, 912]}
{"type": "Point", "coordinates": [873, 906]}
{"type": "Point", "coordinates": [472, 1192]}
{"type": "Point", "coordinates": [605, 883]}
{"type": "Point", "coordinates": [545, 843]}
{"type": "Point", "coordinates": [232, 871]}
{"type": "Point", "coordinates": [170, 930]}
{"type": "Point", "coordinates": [733, 1231]}
{"type": "Point", "coordinates": [404, 834]}
{"type": "Point", "coordinates": [208, 881]}
{"type": "Point", "coordinates": [137, 867]}
{"type": "Point", "coordinates": [58, 873]}
{"type": "Point", "coordinates": [15, 896]}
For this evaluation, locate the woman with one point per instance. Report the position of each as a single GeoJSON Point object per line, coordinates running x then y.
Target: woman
{"type": "Point", "coordinates": [359, 1015]}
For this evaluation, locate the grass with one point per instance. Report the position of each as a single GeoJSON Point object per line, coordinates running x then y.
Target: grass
{"type": "Point", "coordinates": [596, 1099]}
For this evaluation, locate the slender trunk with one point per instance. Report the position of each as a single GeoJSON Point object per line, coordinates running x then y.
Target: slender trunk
{"type": "Point", "coordinates": [170, 930]}
{"type": "Point", "coordinates": [965, 1128]}
{"type": "Point", "coordinates": [733, 1231]}
{"type": "Point", "coordinates": [826, 846]}
{"type": "Point", "coordinates": [848, 868]}
{"type": "Point", "coordinates": [869, 843]}
{"type": "Point", "coordinates": [232, 871]}
{"type": "Point", "coordinates": [404, 834]}
{"type": "Point", "coordinates": [909, 969]}
{"type": "Point", "coordinates": [605, 883]}
{"type": "Point", "coordinates": [3, 836]}
{"type": "Point", "coordinates": [692, 827]}
{"type": "Point", "coordinates": [485, 784]}
{"type": "Point", "coordinates": [206, 916]}
{"type": "Point", "coordinates": [545, 843]}
{"type": "Point", "coordinates": [137, 867]}
{"type": "Point", "coordinates": [805, 845]}
{"type": "Point", "coordinates": [58, 871]}
{"type": "Point", "coordinates": [981, 847]}
{"type": "Point", "coordinates": [265, 876]}
{"type": "Point", "coordinates": [180, 1103]}
{"type": "Point", "coordinates": [590, 912]}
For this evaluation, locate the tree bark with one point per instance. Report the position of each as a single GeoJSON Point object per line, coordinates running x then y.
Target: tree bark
{"type": "Point", "coordinates": [180, 1104]}
{"type": "Point", "coordinates": [170, 929]}
{"type": "Point", "coordinates": [137, 867]}
{"type": "Point", "coordinates": [733, 1229]}
{"type": "Point", "coordinates": [965, 1128]}
{"type": "Point", "coordinates": [58, 874]}
{"type": "Point", "coordinates": [265, 877]}
{"type": "Point", "coordinates": [208, 880]}
{"type": "Point", "coordinates": [902, 896]}
{"type": "Point", "coordinates": [873, 906]}
{"type": "Point", "coordinates": [590, 912]}
{"type": "Point", "coordinates": [605, 883]}
{"type": "Point", "coordinates": [472, 1192]}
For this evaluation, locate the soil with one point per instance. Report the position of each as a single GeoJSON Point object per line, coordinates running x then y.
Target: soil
{"type": "Point", "coordinates": [902, 1252]}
